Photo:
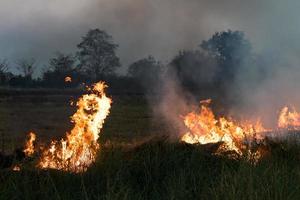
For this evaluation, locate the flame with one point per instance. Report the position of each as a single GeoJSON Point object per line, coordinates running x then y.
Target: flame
{"type": "Point", "coordinates": [205, 128]}
{"type": "Point", "coordinates": [79, 149]}
{"type": "Point", "coordinates": [68, 79]}
{"type": "Point", "coordinates": [29, 147]}
{"type": "Point", "coordinates": [289, 119]}
{"type": "Point", "coordinates": [16, 168]}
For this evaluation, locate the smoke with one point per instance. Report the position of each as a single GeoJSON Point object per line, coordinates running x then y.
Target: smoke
{"type": "Point", "coordinates": [278, 88]}
{"type": "Point", "coordinates": [162, 28]}
{"type": "Point", "coordinates": [171, 105]}
{"type": "Point", "coordinates": [259, 91]}
{"type": "Point", "coordinates": [257, 94]}
{"type": "Point", "coordinates": [141, 27]}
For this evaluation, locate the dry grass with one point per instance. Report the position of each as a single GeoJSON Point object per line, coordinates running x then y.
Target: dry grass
{"type": "Point", "coordinates": [147, 169]}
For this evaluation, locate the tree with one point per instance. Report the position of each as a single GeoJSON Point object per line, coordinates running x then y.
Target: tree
{"type": "Point", "coordinates": [147, 71]}
{"type": "Point", "coordinates": [60, 67]}
{"type": "Point", "coordinates": [62, 63]}
{"type": "Point", "coordinates": [3, 66]}
{"type": "Point", "coordinates": [96, 54]}
{"type": "Point", "coordinates": [231, 49]}
{"type": "Point", "coordinates": [227, 45]}
{"type": "Point", "coordinates": [4, 74]}
{"type": "Point", "coordinates": [194, 69]}
{"type": "Point", "coordinates": [145, 68]}
{"type": "Point", "coordinates": [26, 67]}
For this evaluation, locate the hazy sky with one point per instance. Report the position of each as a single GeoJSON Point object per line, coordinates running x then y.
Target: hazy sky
{"type": "Point", "coordinates": [39, 28]}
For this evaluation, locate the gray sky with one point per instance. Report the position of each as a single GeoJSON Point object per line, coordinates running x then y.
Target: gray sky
{"type": "Point", "coordinates": [39, 28]}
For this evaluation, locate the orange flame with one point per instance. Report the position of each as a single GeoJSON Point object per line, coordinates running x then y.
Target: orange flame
{"type": "Point", "coordinates": [289, 119]}
{"type": "Point", "coordinates": [79, 149]}
{"type": "Point", "coordinates": [204, 128]}
{"type": "Point", "coordinates": [29, 147]}
{"type": "Point", "coordinates": [68, 79]}
{"type": "Point", "coordinates": [16, 168]}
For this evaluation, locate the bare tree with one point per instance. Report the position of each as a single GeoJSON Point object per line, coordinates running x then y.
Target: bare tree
{"type": "Point", "coordinates": [3, 66]}
{"type": "Point", "coordinates": [3, 71]}
{"type": "Point", "coordinates": [26, 67]}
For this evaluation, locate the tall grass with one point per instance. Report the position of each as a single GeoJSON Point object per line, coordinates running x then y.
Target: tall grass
{"type": "Point", "coordinates": [163, 170]}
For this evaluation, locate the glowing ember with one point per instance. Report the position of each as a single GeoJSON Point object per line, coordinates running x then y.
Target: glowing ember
{"type": "Point", "coordinates": [29, 146]}
{"type": "Point", "coordinates": [68, 79]}
{"type": "Point", "coordinates": [79, 149]}
{"type": "Point", "coordinates": [16, 168]}
{"type": "Point", "coordinates": [205, 128]}
{"type": "Point", "coordinates": [289, 119]}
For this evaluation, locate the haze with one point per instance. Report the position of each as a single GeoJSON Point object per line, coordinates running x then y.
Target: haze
{"type": "Point", "coordinates": [35, 28]}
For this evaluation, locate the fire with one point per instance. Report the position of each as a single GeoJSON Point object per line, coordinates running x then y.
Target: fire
{"type": "Point", "coordinates": [78, 150]}
{"type": "Point", "coordinates": [29, 145]}
{"type": "Point", "coordinates": [68, 79]}
{"type": "Point", "coordinates": [289, 119]}
{"type": "Point", "coordinates": [205, 128]}
{"type": "Point", "coordinates": [16, 168]}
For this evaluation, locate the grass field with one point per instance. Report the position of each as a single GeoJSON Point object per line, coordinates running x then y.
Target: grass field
{"type": "Point", "coordinates": [49, 117]}
{"type": "Point", "coordinates": [151, 168]}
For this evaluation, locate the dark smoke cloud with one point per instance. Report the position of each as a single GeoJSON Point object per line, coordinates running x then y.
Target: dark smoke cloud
{"type": "Point", "coordinates": [142, 27]}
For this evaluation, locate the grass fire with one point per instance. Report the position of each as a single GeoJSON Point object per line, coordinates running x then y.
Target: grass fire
{"type": "Point", "coordinates": [79, 149]}
{"type": "Point", "coordinates": [237, 136]}
{"type": "Point", "coordinates": [145, 99]}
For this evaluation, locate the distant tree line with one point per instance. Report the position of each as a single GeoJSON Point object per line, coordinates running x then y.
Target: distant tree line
{"type": "Point", "coordinates": [215, 65]}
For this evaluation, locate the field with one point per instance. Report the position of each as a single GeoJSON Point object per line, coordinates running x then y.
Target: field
{"type": "Point", "coordinates": [136, 160]}
{"type": "Point", "coordinates": [49, 117]}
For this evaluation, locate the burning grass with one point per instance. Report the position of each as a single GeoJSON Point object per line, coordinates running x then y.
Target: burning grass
{"type": "Point", "coordinates": [79, 149]}
{"type": "Point", "coordinates": [244, 138]}
{"type": "Point", "coordinates": [160, 169]}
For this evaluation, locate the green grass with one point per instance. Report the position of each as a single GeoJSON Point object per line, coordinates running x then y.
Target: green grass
{"type": "Point", "coordinates": [147, 169]}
